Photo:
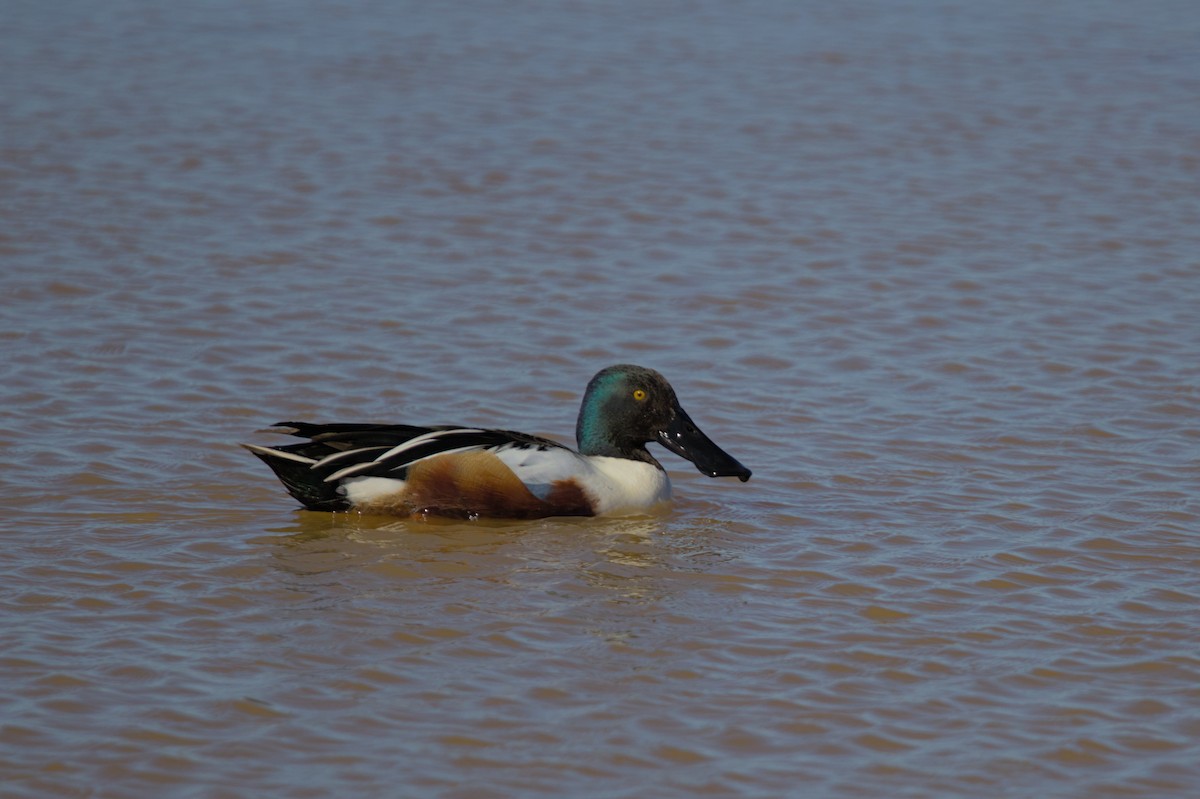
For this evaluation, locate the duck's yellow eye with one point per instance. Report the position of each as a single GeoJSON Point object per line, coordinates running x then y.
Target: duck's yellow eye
{"type": "Point", "coordinates": [639, 394]}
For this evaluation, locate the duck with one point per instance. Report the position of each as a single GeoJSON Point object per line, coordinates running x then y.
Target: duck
{"type": "Point", "coordinates": [473, 473]}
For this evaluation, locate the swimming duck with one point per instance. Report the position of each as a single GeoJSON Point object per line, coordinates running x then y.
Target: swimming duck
{"type": "Point", "coordinates": [469, 472]}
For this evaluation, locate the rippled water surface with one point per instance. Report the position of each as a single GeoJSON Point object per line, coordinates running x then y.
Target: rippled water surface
{"type": "Point", "coordinates": [932, 270]}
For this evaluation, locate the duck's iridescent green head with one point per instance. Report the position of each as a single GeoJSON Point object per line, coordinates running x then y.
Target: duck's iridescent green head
{"type": "Point", "coordinates": [627, 406]}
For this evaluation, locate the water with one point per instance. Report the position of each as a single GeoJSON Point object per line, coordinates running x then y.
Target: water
{"type": "Point", "coordinates": [930, 270]}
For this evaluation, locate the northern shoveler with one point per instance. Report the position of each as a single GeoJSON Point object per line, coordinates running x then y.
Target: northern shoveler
{"type": "Point", "coordinates": [467, 472]}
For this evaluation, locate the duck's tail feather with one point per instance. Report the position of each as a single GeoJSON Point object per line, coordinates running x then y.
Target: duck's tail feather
{"type": "Point", "coordinates": [294, 470]}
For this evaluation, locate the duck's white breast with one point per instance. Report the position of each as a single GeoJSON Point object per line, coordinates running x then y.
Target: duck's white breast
{"type": "Point", "coordinates": [620, 484]}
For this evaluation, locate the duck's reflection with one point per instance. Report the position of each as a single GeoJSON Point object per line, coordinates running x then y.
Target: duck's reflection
{"type": "Point", "coordinates": [613, 554]}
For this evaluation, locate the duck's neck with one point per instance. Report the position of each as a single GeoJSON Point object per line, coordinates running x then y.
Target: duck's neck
{"type": "Point", "coordinates": [594, 437]}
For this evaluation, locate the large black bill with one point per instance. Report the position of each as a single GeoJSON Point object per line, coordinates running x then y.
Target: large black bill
{"type": "Point", "coordinates": [683, 438]}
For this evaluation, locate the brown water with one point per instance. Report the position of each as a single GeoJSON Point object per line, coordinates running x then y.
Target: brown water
{"type": "Point", "coordinates": [932, 271]}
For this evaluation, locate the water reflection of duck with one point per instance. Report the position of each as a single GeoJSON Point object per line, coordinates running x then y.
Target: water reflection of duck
{"type": "Point", "coordinates": [466, 472]}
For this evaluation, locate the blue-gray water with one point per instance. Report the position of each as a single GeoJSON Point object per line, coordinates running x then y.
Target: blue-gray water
{"type": "Point", "coordinates": [930, 269]}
